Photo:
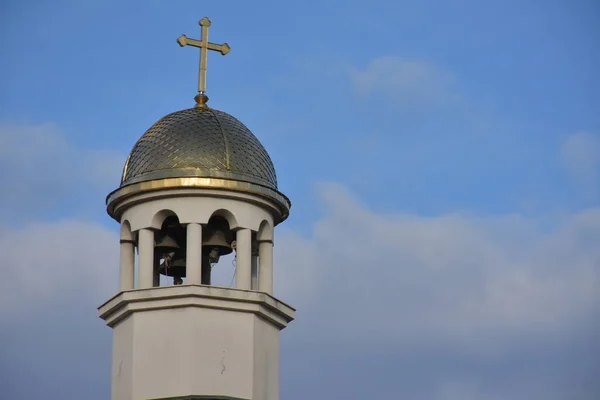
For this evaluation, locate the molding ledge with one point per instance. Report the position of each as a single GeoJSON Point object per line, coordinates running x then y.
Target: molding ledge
{"type": "Point", "coordinates": [128, 302]}
{"type": "Point", "coordinates": [203, 397]}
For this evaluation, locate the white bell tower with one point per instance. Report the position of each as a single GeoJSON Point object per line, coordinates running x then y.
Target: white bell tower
{"type": "Point", "coordinates": [196, 186]}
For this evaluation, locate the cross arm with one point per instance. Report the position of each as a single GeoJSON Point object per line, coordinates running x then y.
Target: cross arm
{"type": "Point", "coordinates": [221, 48]}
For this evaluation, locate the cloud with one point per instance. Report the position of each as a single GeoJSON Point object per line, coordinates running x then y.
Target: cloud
{"type": "Point", "coordinates": [42, 172]}
{"type": "Point", "coordinates": [444, 307]}
{"type": "Point", "coordinates": [454, 306]}
{"type": "Point", "coordinates": [403, 278]}
{"type": "Point", "coordinates": [41, 168]}
{"type": "Point", "coordinates": [49, 262]}
{"type": "Point", "coordinates": [580, 156]}
{"type": "Point", "coordinates": [54, 275]}
{"type": "Point", "coordinates": [409, 82]}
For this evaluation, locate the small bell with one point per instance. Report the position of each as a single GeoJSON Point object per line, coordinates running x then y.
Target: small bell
{"type": "Point", "coordinates": [165, 243]}
{"type": "Point", "coordinates": [217, 242]}
{"type": "Point", "coordinates": [173, 265]}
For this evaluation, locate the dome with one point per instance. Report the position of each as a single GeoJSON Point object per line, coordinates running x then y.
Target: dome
{"type": "Point", "coordinates": [199, 143]}
{"type": "Point", "coordinates": [199, 148]}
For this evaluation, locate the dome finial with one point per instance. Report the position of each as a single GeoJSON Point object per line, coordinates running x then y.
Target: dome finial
{"type": "Point", "coordinates": [201, 100]}
{"type": "Point", "coordinates": [204, 45]}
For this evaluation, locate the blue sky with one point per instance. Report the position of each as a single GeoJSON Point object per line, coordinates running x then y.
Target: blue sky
{"type": "Point", "coordinates": [442, 158]}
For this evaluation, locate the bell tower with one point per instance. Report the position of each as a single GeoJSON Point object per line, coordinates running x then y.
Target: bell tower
{"type": "Point", "coordinates": [198, 185]}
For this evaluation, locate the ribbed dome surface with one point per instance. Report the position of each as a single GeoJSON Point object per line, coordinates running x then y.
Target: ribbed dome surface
{"type": "Point", "coordinates": [200, 143]}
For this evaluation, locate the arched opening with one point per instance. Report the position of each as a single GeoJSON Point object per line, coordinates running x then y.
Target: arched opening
{"type": "Point", "coordinates": [160, 217]}
{"type": "Point", "coordinates": [228, 216]}
{"type": "Point", "coordinates": [125, 233]}
{"type": "Point", "coordinates": [265, 231]}
{"type": "Point", "coordinates": [177, 248]}
{"type": "Point", "coordinates": [169, 250]}
{"type": "Point", "coordinates": [218, 241]}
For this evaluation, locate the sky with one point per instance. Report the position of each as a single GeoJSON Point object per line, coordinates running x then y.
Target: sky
{"type": "Point", "coordinates": [442, 158]}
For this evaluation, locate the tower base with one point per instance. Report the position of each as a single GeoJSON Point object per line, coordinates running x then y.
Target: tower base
{"type": "Point", "coordinates": [195, 342]}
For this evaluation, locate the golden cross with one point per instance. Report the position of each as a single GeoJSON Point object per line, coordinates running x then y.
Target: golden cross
{"type": "Point", "coordinates": [204, 45]}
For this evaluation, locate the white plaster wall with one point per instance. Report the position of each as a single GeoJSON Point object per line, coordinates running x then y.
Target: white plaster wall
{"type": "Point", "coordinates": [122, 361]}
{"type": "Point", "coordinates": [195, 340]}
{"type": "Point", "coordinates": [192, 350]}
{"type": "Point", "coordinates": [266, 361]}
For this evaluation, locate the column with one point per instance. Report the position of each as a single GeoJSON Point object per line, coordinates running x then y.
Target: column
{"type": "Point", "coordinates": [146, 260]}
{"type": "Point", "coordinates": [243, 259]}
{"type": "Point", "coordinates": [126, 264]}
{"type": "Point", "coordinates": [265, 273]}
{"type": "Point", "coordinates": [254, 269]}
{"type": "Point", "coordinates": [193, 259]}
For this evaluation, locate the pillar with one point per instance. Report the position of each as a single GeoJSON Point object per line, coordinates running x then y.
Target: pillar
{"type": "Point", "coordinates": [193, 259]}
{"type": "Point", "coordinates": [265, 274]}
{"type": "Point", "coordinates": [243, 259]}
{"type": "Point", "coordinates": [146, 261]}
{"type": "Point", "coordinates": [126, 265]}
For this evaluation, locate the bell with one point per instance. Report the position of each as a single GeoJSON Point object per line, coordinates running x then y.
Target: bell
{"type": "Point", "coordinates": [165, 243]}
{"type": "Point", "coordinates": [213, 255]}
{"type": "Point", "coordinates": [216, 243]}
{"type": "Point", "coordinates": [173, 265]}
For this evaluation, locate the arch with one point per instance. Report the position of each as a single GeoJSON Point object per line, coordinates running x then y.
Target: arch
{"type": "Point", "coordinates": [159, 218]}
{"type": "Point", "coordinates": [227, 215]}
{"type": "Point", "coordinates": [265, 232]}
{"type": "Point", "coordinates": [125, 233]}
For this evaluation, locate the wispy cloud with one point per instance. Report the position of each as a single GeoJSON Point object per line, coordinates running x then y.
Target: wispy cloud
{"type": "Point", "coordinates": [41, 167]}
{"type": "Point", "coordinates": [454, 277]}
{"type": "Point", "coordinates": [50, 262]}
{"type": "Point", "coordinates": [381, 288]}
{"type": "Point", "coordinates": [580, 156]}
{"type": "Point", "coordinates": [409, 82]}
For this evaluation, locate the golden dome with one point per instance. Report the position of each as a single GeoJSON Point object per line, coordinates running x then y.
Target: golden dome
{"type": "Point", "coordinates": [199, 143]}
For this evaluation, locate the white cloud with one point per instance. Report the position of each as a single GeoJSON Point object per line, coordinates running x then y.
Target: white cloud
{"type": "Point", "coordinates": [468, 279]}
{"type": "Point", "coordinates": [409, 82]}
{"type": "Point", "coordinates": [392, 277]}
{"type": "Point", "coordinates": [40, 166]}
{"type": "Point", "coordinates": [42, 263]}
{"type": "Point", "coordinates": [460, 284]}
{"type": "Point", "coordinates": [580, 155]}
